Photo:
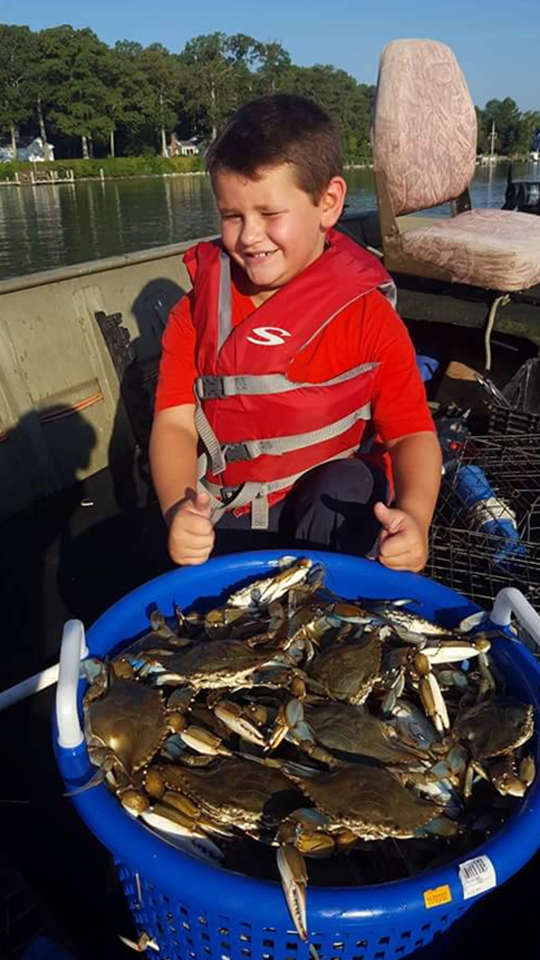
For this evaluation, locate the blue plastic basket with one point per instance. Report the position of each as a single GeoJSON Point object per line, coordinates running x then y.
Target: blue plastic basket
{"type": "Point", "coordinates": [202, 912]}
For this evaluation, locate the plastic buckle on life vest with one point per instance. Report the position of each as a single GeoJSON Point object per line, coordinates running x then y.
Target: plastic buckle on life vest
{"type": "Point", "coordinates": [235, 452]}
{"type": "Point", "coordinates": [210, 388]}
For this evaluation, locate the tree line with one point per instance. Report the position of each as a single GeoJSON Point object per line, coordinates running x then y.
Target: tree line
{"type": "Point", "coordinates": [88, 98]}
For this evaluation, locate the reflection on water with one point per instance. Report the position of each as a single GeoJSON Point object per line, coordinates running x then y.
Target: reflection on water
{"type": "Point", "coordinates": [44, 227]}
{"type": "Point", "coordinates": [52, 226]}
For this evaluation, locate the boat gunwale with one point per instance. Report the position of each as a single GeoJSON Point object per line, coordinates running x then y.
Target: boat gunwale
{"type": "Point", "coordinates": [89, 267]}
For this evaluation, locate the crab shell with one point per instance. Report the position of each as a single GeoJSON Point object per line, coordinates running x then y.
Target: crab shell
{"type": "Point", "coordinates": [368, 801]}
{"type": "Point", "coordinates": [349, 671]}
{"type": "Point", "coordinates": [495, 727]}
{"type": "Point", "coordinates": [344, 728]}
{"type": "Point", "coordinates": [129, 720]}
{"type": "Point", "coordinates": [216, 664]}
{"type": "Point", "coordinates": [234, 791]}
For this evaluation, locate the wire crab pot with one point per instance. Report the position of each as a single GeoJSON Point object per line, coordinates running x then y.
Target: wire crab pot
{"type": "Point", "coordinates": [477, 554]}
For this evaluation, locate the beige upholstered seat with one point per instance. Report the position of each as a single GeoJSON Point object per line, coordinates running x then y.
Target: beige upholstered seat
{"type": "Point", "coordinates": [497, 249]}
{"type": "Point", "coordinates": [424, 149]}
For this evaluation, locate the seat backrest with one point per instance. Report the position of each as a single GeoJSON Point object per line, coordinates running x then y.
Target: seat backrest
{"type": "Point", "coordinates": [424, 132]}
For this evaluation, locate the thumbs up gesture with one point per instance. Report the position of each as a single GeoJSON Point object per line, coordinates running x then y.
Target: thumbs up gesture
{"type": "Point", "coordinates": [403, 542]}
{"type": "Point", "coordinates": [191, 534]}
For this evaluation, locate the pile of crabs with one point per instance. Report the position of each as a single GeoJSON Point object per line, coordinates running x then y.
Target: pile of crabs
{"type": "Point", "coordinates": [307, 722]}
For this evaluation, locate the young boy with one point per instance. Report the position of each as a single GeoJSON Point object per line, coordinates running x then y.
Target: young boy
{"type": "Point", "coordinates": [271, 367]}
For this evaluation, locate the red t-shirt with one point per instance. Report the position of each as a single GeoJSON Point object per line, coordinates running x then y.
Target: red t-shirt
{"type": "Point", "coordinates": [369, 330]}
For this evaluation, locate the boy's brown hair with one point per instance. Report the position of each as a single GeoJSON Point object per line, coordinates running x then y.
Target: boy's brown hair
{"type": "Point", "coordinates": [276, 129]}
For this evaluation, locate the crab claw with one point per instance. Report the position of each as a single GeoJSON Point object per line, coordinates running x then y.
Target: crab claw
{"type": "Point", "coordinates": [292, 869]}
{"type": "Point", "coordinates": [236, 719]}
{"type": "Point", "coordinates": [203, 741]}
{"type": "Point", "coordinates": [430, 694]}
{"type": "Point", "coordinates": [141, 945]}
{"type": "Point", "coordinates": [454, 651]}
{"type": "Point", "coordinates": [289, 716]}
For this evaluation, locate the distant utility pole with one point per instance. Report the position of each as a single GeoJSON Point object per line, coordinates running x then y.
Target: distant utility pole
{"type": "Point", "coordinates": [492, 138]}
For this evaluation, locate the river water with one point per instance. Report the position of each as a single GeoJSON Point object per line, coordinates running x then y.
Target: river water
{"type": "Point", "coordinates": [53, 226]}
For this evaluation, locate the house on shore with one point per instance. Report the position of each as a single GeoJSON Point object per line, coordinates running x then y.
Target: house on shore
{"type": "Point", "coordinates": [185, 148]}
{"type": "Point", "coordinates": [33, 149]}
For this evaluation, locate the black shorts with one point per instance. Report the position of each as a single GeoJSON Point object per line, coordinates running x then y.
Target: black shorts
{"type": "Point", "coordinates": [329, 508]}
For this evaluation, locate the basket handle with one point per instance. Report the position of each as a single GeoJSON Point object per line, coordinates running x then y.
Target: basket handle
{"type": "Point", "coordinates": [72, 651]}
{"type": "Point", "coordinates": [510, 600]}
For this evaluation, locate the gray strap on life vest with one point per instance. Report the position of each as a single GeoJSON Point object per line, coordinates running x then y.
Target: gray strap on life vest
{"type": "Point", "coordinates": [248, 493]}
{"type": "Point", "coordinates": [273, 446]}
{"type": "Point", "coordinates": [214, 388]}
{"type": "Point", "coordinates": [209, 441]}
{"type": "Point", "coordinates": [256, 494]}
{"type": "Point", "coordinates": [225, 299]}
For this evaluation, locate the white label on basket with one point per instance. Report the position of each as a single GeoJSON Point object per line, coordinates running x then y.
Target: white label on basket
{"type": "Point", "coordinates": [477, 876]}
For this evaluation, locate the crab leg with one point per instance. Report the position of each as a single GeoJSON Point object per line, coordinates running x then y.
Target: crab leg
{"type": "Point", "coordinates": [293, 872]}
{"type": "Point", "coordinates": [166, 819]}
{"type": "Point", "coordinates": [454, 651]}
{"type": "Point", "coordinates": [203, 741]}
{"type": "Point", "coordinates": [487, 680]}
{"type": "Point", "coordinates": [430, 694]}
{"type": "Point", "coordinates": [394, 693]}
{"type": "Point", "coordinates": [292, 726]}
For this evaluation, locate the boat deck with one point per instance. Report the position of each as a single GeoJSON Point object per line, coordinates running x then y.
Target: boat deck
{"type": "Point", "coordinates": [72, 556]}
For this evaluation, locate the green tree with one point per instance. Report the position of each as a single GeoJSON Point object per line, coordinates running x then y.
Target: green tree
{"type": "Point", "coordinates": [347, 102]}
{"type": "Point", "coordinates": [506, 116]}
{"type": "Point", "coordinates": [218, 77]}
{"type": "Point", "coordinates": [513, 130]}
{"type": "Point", "coordinates": [163, 73]}
{"type": "Point", "coordinates": [72, 68]}
{"type": "Point", "coordinates": [132, 97]}
{"type": "Point", "coordinates": [244, 57]}
{"type": "Point", "coordinates": [529, 126]}
{"type": "Point", "coordinates": [17, 52]}
{"type": "Point", "coordinates": [273, 71]}
{"type": "Point", "coordinates": [359, 118]}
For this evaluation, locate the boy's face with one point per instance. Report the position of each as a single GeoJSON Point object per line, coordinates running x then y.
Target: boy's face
{"type": "Point", "coordinates": [270, 227]}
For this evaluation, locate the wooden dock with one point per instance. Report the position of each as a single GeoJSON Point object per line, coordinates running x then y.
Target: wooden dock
{"type": "Point", "coordinates": [34, 178]}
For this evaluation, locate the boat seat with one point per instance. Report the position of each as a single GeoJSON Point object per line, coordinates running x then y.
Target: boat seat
{"type": "Point", "coordinates": [424, 139]}
{"type": "Point", "coordinates": [496, 249]}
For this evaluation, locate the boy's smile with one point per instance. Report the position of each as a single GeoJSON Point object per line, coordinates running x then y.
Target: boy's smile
{"type": "Point", "coordinates": [270, 227]}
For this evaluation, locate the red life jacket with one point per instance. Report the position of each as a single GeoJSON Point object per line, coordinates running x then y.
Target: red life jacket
{"type": "Point", "coordinates": [261, 430]}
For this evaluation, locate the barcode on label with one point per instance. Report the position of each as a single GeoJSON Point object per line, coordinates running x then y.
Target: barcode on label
{"type": "Point", "coordinates": [474, 868]}
{"type": "Point", "coordinates": [477, 876]}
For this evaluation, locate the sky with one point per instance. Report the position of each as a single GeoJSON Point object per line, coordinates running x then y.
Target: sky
{"type": "Point", "coordinates": [496, 42]}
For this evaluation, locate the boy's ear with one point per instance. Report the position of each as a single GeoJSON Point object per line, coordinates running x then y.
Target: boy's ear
{"type": "Point", "coordinates": [331, 202]}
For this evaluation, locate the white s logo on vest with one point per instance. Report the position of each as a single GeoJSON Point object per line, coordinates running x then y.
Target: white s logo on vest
{"type": "Point", "coordinates": [268, 336]}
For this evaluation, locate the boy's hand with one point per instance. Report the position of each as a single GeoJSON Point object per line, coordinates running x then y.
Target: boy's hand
{"type": "Point", "coordinates": [403, 540]}
{"type": "Point", "coordinates": [191, 534]}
